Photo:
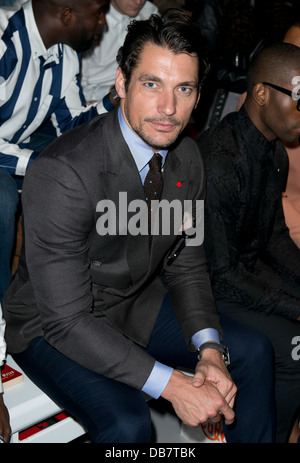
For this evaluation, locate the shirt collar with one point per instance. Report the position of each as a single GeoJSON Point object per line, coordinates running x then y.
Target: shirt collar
{"type": "Point", "coordinates": [53, 54]}
{"type": "Point", "coordinates": [114, 17]}
{"type": "Point", "coordinates": [139, 150]}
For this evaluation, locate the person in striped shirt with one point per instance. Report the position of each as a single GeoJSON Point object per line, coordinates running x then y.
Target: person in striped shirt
{"type": "Point", "coordinates": [5, 429]}
{"type": "Point", "coordinates": [40, 42]}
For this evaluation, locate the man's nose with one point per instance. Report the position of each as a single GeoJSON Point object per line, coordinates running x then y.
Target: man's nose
{"type": "Point", "coordinates": [167, 103]}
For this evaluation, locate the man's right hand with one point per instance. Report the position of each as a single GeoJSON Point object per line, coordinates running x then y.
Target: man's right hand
{"type": "Point", "coordinates": [196, 405]}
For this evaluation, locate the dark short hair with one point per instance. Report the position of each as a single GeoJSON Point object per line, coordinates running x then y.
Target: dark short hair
{"type": "Point", "coordinates": [173, 30]}
{"type": "Point", "coordinates": [274, 64]}
{"type": "Point", "coordinates": [296, 23]}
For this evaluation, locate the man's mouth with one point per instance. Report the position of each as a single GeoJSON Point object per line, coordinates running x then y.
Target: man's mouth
{"type": "Point", "coordinates": [164, 125]}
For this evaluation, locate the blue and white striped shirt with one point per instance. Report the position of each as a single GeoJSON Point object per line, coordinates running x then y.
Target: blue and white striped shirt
{"type": "Point", "coordinates": [35, 83]}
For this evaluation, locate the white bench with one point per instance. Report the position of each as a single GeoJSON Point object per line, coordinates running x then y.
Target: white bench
{"type": "Point", "coordinates": [28, 407]}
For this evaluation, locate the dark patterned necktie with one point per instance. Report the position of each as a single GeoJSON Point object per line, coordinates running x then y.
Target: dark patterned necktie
{"type": "Point", "coordinates": [153, 184]}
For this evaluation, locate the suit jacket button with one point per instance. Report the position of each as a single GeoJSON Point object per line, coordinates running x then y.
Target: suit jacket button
{"type": "Point", "coordinates": [96, 263]}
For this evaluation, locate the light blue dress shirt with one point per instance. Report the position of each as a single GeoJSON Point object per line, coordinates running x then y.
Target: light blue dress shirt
{"type": "Point", "coordinates": [142, 154]}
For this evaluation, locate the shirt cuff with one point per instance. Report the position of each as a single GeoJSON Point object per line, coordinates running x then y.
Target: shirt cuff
{"type": "Point", "coordinates": [161, 374]}
{"type": "Point", "coordinates": [158, 379]}
{"type": "Point", "coordinates": [33, 157]}
{"type": "Point", "coordinates": [202, 336]}
{"type": "Point", "coordinates": [26, 157]}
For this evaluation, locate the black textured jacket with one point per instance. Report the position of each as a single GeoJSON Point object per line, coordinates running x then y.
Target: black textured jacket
{"type": "Point", "coordinates": [250, 253]}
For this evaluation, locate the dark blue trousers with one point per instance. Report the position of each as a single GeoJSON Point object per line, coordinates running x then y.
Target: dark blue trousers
{"type": "Point", "coordinates": [116, 413]}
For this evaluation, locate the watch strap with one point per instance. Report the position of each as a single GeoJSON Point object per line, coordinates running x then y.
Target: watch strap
{"type": "Point", "coordinates": [219, 347]}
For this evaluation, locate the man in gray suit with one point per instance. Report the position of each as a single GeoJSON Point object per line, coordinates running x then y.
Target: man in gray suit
{"type": "Point", "coordinates": [96, 318]}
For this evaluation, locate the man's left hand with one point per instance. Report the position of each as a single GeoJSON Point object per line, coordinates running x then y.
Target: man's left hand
{"type": "Point", "coordinates": [211, 368]}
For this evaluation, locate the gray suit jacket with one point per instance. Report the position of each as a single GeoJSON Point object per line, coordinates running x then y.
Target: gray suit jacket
{"type": "Point", "coordinates": [96, 298]}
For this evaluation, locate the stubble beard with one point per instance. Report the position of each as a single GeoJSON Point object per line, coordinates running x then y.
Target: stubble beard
{"type": "Point", "coordinates": [151, 141]}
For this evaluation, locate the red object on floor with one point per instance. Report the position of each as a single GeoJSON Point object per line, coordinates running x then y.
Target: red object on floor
{"type": "Point", "coordinates": [43, 425]}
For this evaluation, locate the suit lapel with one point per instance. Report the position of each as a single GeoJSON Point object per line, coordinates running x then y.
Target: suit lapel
{"type": "Point", "coordinates": [175, 188]}
{"type": "Point", "coordinates": [121, 183]}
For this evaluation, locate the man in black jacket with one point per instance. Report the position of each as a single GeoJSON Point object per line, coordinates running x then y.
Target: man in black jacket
{"type": "Point", "coordinates": [254, 264]}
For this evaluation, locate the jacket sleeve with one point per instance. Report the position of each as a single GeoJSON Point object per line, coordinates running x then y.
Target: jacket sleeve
{"type": "Point", "coordinates": [58, 218]}
{"type": "Point", "coordinates": [72, 110]}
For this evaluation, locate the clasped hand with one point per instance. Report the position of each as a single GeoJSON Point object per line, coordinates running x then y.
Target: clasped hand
{"type": "Point", "coordinates": [206, 396]}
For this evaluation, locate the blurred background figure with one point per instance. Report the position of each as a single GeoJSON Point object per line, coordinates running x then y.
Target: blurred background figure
{"type": "Point", "coordinates": [291, 197]}
{"type": "Point", "coordinates": [99, 65]}
{"type": "Point", "coordinates": [38, 82]}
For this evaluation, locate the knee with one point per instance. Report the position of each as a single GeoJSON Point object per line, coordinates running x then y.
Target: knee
{"type": "Point", "coordinates": [255, 357]}
{"type": "Point", "coordinates": [262, 351]}
{"type": "Point", "coordinates": [133, 426]}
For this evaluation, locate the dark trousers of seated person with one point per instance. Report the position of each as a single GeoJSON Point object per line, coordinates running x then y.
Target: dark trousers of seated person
{"type": "Point", "coordinates": [281, 332]}
{"type": "Point", "coordinates": [113, 412]}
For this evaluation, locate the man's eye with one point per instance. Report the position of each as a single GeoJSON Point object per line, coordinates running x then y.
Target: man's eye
{"type": "Point", "coordinates": [185, 90]}
{"type": "Point", "coordinates": [150, 85]}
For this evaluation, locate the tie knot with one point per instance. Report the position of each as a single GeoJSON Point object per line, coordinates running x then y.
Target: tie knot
{"type": "Point", "coordinates": [155, 162]}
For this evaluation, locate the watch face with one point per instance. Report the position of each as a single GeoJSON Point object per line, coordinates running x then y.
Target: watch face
{"type": "Point", "coordinates": [226, 357]}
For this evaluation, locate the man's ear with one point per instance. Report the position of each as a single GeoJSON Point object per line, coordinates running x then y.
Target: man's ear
{"type": "Point", "coordinates": [260, 94]}
{"type": "Point", "coordinates": [120, 83]}
{"type": "Point", "coordinates": [197, 100]}
{"type": "Point", "coordinates": [66, 16]}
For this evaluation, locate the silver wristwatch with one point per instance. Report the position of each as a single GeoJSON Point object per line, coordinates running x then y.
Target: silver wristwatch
{"type": "Point", "coordinates": [219, 347]}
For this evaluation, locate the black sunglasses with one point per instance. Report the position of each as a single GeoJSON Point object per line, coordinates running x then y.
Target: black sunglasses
{"type": "Point", "coordinates": [285, 91]}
